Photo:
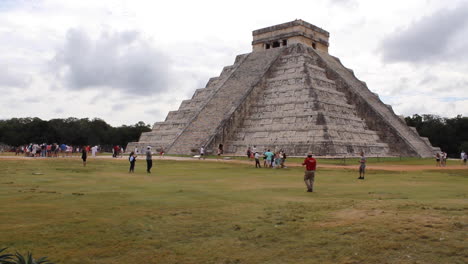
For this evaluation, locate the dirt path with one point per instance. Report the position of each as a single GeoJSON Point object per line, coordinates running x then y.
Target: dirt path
{"type": "Point", "coordinates": [289, 164]}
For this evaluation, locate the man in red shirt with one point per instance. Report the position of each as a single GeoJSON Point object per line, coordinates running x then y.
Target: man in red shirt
{"type": "Point", "coordinates": [309, 175]}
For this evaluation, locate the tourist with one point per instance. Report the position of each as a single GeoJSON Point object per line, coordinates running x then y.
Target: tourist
{"type": "Point", "coordinates": [264, 158]}
{"type": "Point", "coordinates": [219, 152]}
{"type": "Point", "coordinates": [43, 149]}
{"type": "Point", "coordinates": [443, 159]}
{"type": "Point", "coordinates": [362, 167]}
{"type": "Point", "coordinates": [132, 158]}
{"type": "Point", "coordinates": [161, 153]}
{"type": "Point", "coordinates": [202, 153]}
{"type": "Point", "coordinates": [437, 156]}
{"type": "Point", "coordinates": [149, 159]}
{"type": "Point", "coordinates": [462, 156]}
{"type": "Point", "coordinates": [283, 160]}
{"type": "Point", "coordinates": [136, 150]}
{"type": "Point", "coordinates": [249, 153]}
{"type": "Point", "coordinates": [309, 174]}
{"type": "Point", "coordinates": [257, 160]}
{"type": "Point", "coordinates": [269, 158]}
{"type": "Point", "coordinates": [465, 158]}
{"type": "Point", "coordinates": [84, 155]}
{"type": "Point", "coordinates": [63, 148]}
{"type": "Point", "coordinates": [93, 151]}
{"type": "Point", "coordinates": [277, 162]}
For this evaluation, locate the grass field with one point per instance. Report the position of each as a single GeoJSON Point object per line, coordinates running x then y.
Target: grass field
{"type": "Point", "coordinates": [207, 212]}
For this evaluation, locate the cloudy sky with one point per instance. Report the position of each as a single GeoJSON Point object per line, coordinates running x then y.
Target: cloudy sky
{"type": "Point", "coordinates": [126, 61]}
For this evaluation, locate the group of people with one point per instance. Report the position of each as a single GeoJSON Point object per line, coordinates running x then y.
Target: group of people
{"type": "Point", "coordinates": [273, 160]}
{"type": "Point", "coordinates": [117, 151]}
{"type": "Point", "coordinates": [310, 164]}
{"type": "Point", "coordinates": [149, 160]}
{"type": "Point", "coordinates": [441, 158]}
{"type": "Point", "coordinates": [52, 150]}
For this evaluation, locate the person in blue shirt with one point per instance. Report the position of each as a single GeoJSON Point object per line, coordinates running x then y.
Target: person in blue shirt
{"type": "Point", "coordinates": [269, 158]}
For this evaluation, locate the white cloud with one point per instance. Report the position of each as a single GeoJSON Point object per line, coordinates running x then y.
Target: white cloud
{"type": "Point", "coordinates": [438, 37]}
{"type": "Point", "coordinates": [120, 60]}
{"type": "Point", "coordinates": [128, 61]}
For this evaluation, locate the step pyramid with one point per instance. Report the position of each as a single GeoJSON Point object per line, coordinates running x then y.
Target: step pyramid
{"type": "Point", "coordinates": [288, 94]}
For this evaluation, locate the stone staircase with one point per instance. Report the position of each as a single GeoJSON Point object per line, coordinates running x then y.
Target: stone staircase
{"type": "Point", "coordinates": [299, 110]}
{"type": "Point", "coordinates": [223, 102]}
{"type": "Point", "coordinates": [164, 133]}
{"type": "Point", "coordinates": [372, 106]}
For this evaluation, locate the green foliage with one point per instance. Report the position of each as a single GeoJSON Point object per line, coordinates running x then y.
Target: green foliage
{"type": "Point", "coordinates": [450, 134]}
{"type": "Point", "coordinates": [20, 259]}
{"type": "Point", "coordinates": [74, 131]}
{"type": "Point", "coordinates": [6, 258]}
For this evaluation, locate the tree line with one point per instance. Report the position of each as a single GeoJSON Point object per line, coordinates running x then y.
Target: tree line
{"type": "Point", "coordinates": [450, 134]}
{"type": "Point", "coordinates": [72, 131]}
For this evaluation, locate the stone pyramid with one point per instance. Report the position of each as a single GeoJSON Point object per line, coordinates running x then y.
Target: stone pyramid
{"type": "Point", "coordinates": [289, 94]}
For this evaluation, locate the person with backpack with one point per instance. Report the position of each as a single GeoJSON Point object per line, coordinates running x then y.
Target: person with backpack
{"type": "Point", "coordinates": [132, 159]}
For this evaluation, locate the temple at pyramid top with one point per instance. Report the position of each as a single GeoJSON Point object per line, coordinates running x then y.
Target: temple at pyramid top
{"type": "Point", "coordinates": [297, 31]}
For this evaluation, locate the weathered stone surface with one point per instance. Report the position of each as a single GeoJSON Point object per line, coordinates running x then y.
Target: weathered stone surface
{"type": "Point", "coordinates": [294, 97]}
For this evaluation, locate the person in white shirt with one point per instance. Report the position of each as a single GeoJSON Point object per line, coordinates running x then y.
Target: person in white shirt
{"type": "Point", "coordinates": [257, 160]}
{"type": "Point", "coordinates": [202, 153]}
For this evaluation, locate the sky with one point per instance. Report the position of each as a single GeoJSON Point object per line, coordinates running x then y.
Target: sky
{"type": "Point", "coordinates": [129, 61]}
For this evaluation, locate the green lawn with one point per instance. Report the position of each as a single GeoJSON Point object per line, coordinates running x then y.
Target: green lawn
{"type": "Point", "coordinates": [206, 212]}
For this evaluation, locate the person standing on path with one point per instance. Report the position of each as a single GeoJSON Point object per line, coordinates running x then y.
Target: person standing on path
{"type": "Point", "coordinates": [309, 174]}
{"type": "Point", "coordinates": [362, 167]}
{"type": "Point", "coordinates": [257, 160]}
{"type": "Point", "coordinates": [84, 155]}
{"type": "Point", "coordinates": [94, 151]}
{"type": "Point", "coordinates": [219, 152]}
{"type": "Point", "coordinates": [437, 156]}
{"type": "Point", "coordinates": [202, 153]}
{"type": "Point", "coordinates": [132, 158]}
{"type": "Point", "coordinates": [149, 159]}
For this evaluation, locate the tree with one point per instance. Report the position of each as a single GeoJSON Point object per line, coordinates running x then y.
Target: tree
{"type": "Point", "coordinates": [72, 131]}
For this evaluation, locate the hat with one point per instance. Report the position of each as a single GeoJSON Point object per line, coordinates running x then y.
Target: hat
{"type": "Point", "coordinates": [309, 154]}
{"type": "Point", "coordinates": [148, 147]}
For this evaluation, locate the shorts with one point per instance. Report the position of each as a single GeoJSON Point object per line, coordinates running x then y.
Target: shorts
{"type": "Point", "coordinates": [309, 175]}
{"type": "Point", "coordinates": [362, 168]}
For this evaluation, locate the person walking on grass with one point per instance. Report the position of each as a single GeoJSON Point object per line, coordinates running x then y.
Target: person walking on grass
{"type": "Point", "coordinates": [309, 174]}
{"type": "Point", "coordinates": [437, 156]}
{"type": "Point", "coordinates": [362, 167]}
{"type": "Point", "coordinates": [257, 160]}
{"type": "Point", "coordinates": [84, 155]}
{"type": "Point", "coordinates": [132, 159]}
{"type": "Point", "coordinates": [149, 159]}
{"type": "Point", "coordinates": [269, 158]}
